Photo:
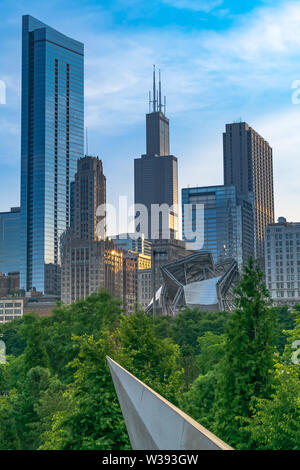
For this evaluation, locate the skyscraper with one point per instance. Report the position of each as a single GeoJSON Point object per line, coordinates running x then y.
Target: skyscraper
{"type": "Point", "coordinates": [89, 194]}
{"type": "Point", "coordinates": [156, 173]}
{"type": "Point", "coordinates": [227, 228]}
{"type": "Point", "coordinates": [52, 142]}
{"type": "Point", "coordinates": [248, 165]}
{"type": "Point", "coordinates": [10, 240]}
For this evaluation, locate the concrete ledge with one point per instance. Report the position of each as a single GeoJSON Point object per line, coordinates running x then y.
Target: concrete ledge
{"type": "Point", "coordinates": [153, 423]}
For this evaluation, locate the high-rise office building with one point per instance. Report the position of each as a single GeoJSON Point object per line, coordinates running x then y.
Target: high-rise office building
{"type": "Point", "coordinates": [282, 261]}
{"type": "Point", "coordinates": [52, 142]}
{"type": "Point", "coordinates": [89, 194]}
{"type": "Point", "coordinates": [10, 241]}
{"type": "Point", "coordinates": [248, 165]}
{"type": "Point", "coordinates": [89, 266]}
{"type": "Point", "coordinates": [227, 226]}
{"type": "Point", "coordinates": [128, 242]}
{"type": "Point", "coordinates": [156, 175]}
{"type": "Point", "coordinates": [88, 262]}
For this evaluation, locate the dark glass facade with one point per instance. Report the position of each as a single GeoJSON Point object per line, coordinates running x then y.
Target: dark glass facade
{"type": "Point", "coordinates": [10, 241]}
{"type": "Point", "coordinates": [52, 142]}
{"type": "Point", "coordinates": [156, 176]}
{"type": "Point", "coordinates": [227, 225]}
{"type": "Point", "coordinates": [248, 164]}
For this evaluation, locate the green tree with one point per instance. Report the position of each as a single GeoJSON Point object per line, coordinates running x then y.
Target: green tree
{"type": "Point", "coordinates": [153, 360]}
{"type": "Point", "coordinates": [212, 349]}
{"type": "Point", "coordinates": [9, 439]}
{"type": "Point", "coordinates": [275, 424]}
{"type": "Point", "coordinates": [23, 401]}
{"type": "Point", "coordinates": [91, 418]}
{"type": "Point", "coordinates": [89, 316]}
{"type": "Point", "coordinates": [35, 353]}
{"type": "Point", "coordinates": [187, 327]}
{"type": "Point", "coordinates": [248, 363]}
{"type": "Point", "coordinates": [12, 335]}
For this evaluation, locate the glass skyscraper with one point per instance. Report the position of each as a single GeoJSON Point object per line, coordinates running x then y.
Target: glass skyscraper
{"type": "Point", "coordinates": [52, 142]}
{"type": "Point", "coordinates": [227, 226]}
{"type": "Point", "coordinates": [10, 241]}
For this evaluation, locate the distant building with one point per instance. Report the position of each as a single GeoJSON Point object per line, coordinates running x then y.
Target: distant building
{"type": "Point", "coordinates": [196, 282]}
{"type": "Point", "coordinates": [130, 282]}
{"type": "Point", "coordinates": [227, 226]}
{"type": "Point", "coordinates": [164, 252]}
{"type": "Point", "coordinates": [88, 263]}
{"type": "Point", "coordinates": [248, 164]}
{"type": "Point", "coordinates": [9, 283]}
{"type": "Point", "coordinates": [135, 265]}
{"type": "Point", "coordinates": [11, 308]}
{"type": "Point", "coordinates": [144, 287]}
{"type": "Point", "coordinates": [156, 174]}
{"type": "Point", "coordinates": [52, 141]}
{"type": "Point", "coordinates": [282, 261]}
{"type": "Point", "coordinates": [128, 242]}
{"type": "Point", "coordinates": [89, 266]}
{"type": "Point", "coordinates": [10, 241]}
{"type": "Point", "coordinates": [89, 194]}
{"type": "Point", "coordinates": [41, 305]}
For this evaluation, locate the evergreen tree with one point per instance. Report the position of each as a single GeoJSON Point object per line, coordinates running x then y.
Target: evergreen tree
{"type": "Point", "coordinates": [246, 369]}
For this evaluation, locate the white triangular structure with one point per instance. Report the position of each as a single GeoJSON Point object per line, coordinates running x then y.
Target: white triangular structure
{"type": "Point", "coordinates": [153, 423]}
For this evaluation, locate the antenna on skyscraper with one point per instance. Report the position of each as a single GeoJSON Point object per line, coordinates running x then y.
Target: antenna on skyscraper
{"type": "Point", "coordinates": [165, 104]}
{"type": "Point", "coordinates": [154, 90]}
{"type": "Point", "coordinates": [159, 99]}
{"type": "Point", "coordinates": [86, 141]}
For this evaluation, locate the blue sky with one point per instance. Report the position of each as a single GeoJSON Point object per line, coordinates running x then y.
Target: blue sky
{"type": "Point", "coordinates": [220, 60]}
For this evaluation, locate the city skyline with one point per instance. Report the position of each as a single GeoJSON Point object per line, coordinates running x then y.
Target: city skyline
{"type": "Point", "coordinates": [191, 109]}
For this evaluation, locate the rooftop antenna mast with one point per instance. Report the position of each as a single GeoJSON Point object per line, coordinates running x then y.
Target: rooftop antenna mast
{"type": "Point", "coordinates": [154, 90]}
{"type": "Point", "coordinates": [159, 99]}
{"type": "Point", "coordinates": [86, 141]}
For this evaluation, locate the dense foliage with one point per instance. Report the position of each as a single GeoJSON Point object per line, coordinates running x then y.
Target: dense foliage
{"type": "Point", "coordinates": [232, 372]}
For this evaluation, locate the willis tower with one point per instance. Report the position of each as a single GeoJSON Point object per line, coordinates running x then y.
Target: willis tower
{"type": "Point", "coordinates": [156, 173]}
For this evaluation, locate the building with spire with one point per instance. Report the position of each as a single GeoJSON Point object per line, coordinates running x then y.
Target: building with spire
{"type": "Point", "coordinates": [156, 174]}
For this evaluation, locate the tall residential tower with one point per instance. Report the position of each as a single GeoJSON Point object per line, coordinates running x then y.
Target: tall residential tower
{"type": "Point", "coordinates": [52, 142]}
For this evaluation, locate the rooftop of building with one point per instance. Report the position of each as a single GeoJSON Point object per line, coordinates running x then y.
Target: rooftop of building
{"type": "Point", "coordinates": [281, 221]}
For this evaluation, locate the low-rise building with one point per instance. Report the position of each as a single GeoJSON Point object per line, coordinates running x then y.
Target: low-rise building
{"type": "Point", "coordinates": [145, 287]}
{"type": "Point", "coordinates": [282, 261]}
{"type": "Point", "coordinates": [9, 283]}
{"type": "Point", "coordinates": [11, 308]}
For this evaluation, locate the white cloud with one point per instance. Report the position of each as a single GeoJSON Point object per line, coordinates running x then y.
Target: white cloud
{"type": "Point", "coordinates": [200, 69]}
{"type": "Point", "coordinates": [195, 5]}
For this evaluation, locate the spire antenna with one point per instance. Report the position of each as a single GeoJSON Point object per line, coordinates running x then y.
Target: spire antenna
{"type": "Point", "coordinates": [154, 90]}
{"type": "Point", "coordinates": [159, 99]}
